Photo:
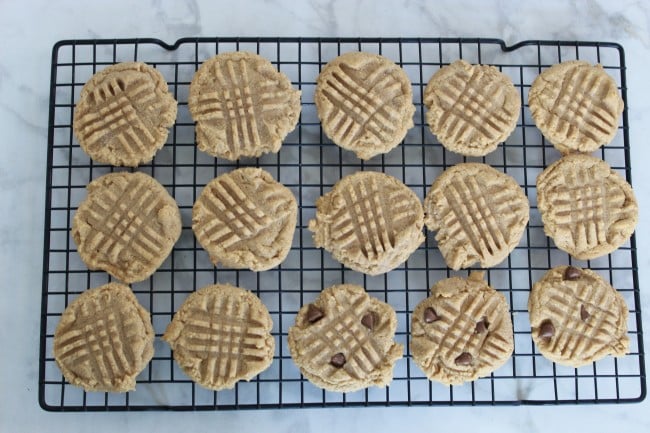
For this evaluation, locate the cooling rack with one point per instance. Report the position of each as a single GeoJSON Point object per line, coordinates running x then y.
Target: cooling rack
{"type": "Point", "coordinates": [309, 164]}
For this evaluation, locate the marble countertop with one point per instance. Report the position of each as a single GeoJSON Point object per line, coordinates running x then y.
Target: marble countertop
{"type": "Point", "coordinates": [28, 32]}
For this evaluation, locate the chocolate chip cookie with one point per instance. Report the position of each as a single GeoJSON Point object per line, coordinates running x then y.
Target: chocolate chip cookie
{"type": "Point", "coordinates": [577, 317]}
{"type": "Point", "coordinates": [463, 331]}
{"type": "Point", "coordinates": [344, 340]}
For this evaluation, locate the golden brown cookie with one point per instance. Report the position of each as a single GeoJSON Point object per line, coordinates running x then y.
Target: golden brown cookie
{"type": "Point", "coordinates": [577, 317]}
{"type": "Point", "coordinates": [462, 331]}
{"type": "Point", "coordinates": [245, 219]}
{"type": "Point", "coordinates": [587, 208]}
{"type": "Point", "coordinates": [221, 335]}
{"type": "Point", "coordinates": [104, 339]}
{"type": "Point", "coordinates": [126, 226]}
{"type": "Point", "coordinates": [242, 106]}
{"type": "Point", "coordinates": [479, 214]}
{"type": "Point", "coordinates": [364, 103]}
{"type": "Point", "coordinates": [344, 340]}
{"type": "Point", "coordinates": [576, 105]}
{"type": "Point", "coordinates": [471, 108]}
{"type": "Point", "coordinates": [123, 114]}
{"type": "Point", "coordinates": [370, 222]}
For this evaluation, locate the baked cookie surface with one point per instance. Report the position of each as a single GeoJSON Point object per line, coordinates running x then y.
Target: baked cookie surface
{"type": "Point", "coordinates": [576, 317]}
{"type": "Point", "coordinates": [576, 105]}
{"type": "Point", "coordinates": [124, 114]}
{"type": "Point", "coordinates": [364, 102]}
{"type": "Point", "coordinates": [242, 105]}
{"type": "Point", "coordinates": [245, 219]}
{"type": "Point", "coordinates": [371, 222]}
{"type": "Point", "coordinates": [344, 340]}
{"type": "Point", "coordinates": [587, 208]}
{"type": "Point", "coordinates": [126, 226]}
{"type": "Point", "coordinates": [471, 108]}
{"type": "Point", "coordinates": [463, 331]}
{"type": "Point", "coordinates": [479, 214]}
{"type": "Point", "coordinates": [221, 335]}
{"type": "Point", "coordinates": [104, 339]}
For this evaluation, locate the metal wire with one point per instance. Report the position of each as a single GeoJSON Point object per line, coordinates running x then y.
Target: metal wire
{"type": "Point", "coordinates": [309, 164]}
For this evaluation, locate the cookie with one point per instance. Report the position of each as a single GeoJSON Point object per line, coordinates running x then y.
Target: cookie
{"type": "Point", "coordinates": [463, 331]}
{"type": "Point", "coordinates": [587, 208]}
{"type": "Point", "coordinates": [245, 219]}
{"type": "Point", "coordinates": [576, 317]}
{"type": "Point", "coordinates": [576, 105]}
{"type": "Point", "coordinates": [365, 103]}
{"type": "Point", "coordinates": [123, 114]}
{"type": "Point", "coordinates": [126, 226]}
{"type": "Point", "coordinates": [471, 108]}
{"type": "Point", "coordinates": [104, 339]}
{"type": "Point", "coordinates": [479, 213]}
{"type": "Point", "coordinates": [221, 335]}
{"type": "Point", "coordinates": [370, 222]}
{"type": "Point", "coordinates": [242, 106]}
{"type": "Point", "coordinates": [344, 340]}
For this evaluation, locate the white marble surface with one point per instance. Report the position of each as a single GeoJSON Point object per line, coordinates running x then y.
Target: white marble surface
{"type": "Point", "coordinates": [29, 29]}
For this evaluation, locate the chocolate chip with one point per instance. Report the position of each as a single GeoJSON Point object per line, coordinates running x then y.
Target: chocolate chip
{"type": "Point", "coordinates": [481, 326]}
{"type": "Point", "coordinates": [338, 360]}
{"type": "Point", "coordinates": [430, 315]}
{"type": "Point", "coordinates": [314, 314]}
{"type": "Point", "coordinates": [369, 319]}
{"type": "Point", "coordinates": [463, 359]}
{"type": "Point", "coordinates": [546, 329]}
{"type": "Point", "coordinates": [572, 273]}
{"type": "Point", "coordinates": [584, 314]}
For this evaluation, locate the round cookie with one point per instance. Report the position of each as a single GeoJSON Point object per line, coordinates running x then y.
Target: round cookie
{"type": "Point", "coordinates": [344, 340]}
{"type": "Point", "coordinates": [587, 208]}
{"type": "Point", "coordinates": [479, 214]}
{"type": "Point", "coordinates": [245, 219]}
{"type": "Point", "coordinates": [104, 339]}
{"type": "Point", "coordinates": [123, 114]}
{"type": "Point", "coordinates": [576, 317]}
{"type": "Point", "coordinates": [463, 331]}
{"type": "Point", "coordinates": [242, 106]}
{"type": "Point", "coordinates": [365, 103]}
{"type": "Point", "coordinates": [576, 105]}
{"type": "Point", "coordinates": [471, 108]}
{"type": "Point", "coordinates": [126, 226]}
{"type": "Point", "coordinates": [221, 335]}
{"type": "Point", "coordinates": [370, 222]}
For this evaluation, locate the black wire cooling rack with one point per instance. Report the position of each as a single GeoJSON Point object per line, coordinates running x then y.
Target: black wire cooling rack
{"type": "Point", "coordinates": [309, 164]}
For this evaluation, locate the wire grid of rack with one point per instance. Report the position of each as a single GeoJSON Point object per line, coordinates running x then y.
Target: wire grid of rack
{"type": "Point", "coordinates": [309, 164]}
